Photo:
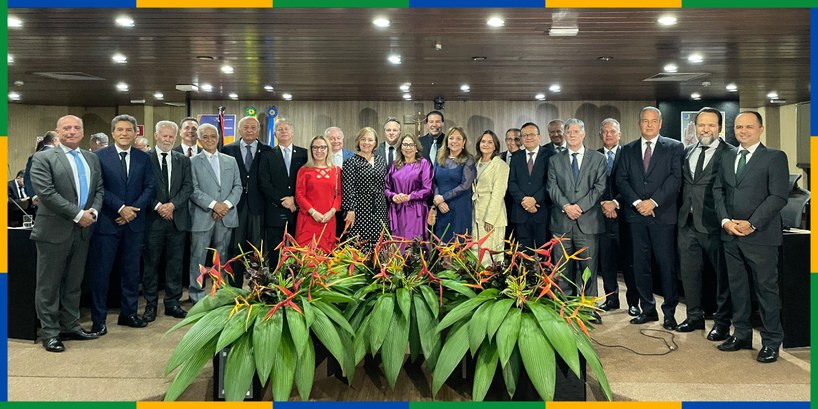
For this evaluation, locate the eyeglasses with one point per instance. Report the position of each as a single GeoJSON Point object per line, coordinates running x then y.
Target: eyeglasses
{"type": "Point", "coordinates": [318, 148]}
{"type": "Point", "coordinates": [408, 145]}
{"type": "Point", "coordinates": [512, 139]}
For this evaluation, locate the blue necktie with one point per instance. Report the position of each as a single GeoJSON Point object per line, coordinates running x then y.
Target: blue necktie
{"type": "Point", "coordinates": [610, 162]}
{"type": "Point", "coordinates": [83, 180]}
{"type": "Point", "coordinates": [215, 165]}
{"type": "Point", "coordinates": [575, 166]}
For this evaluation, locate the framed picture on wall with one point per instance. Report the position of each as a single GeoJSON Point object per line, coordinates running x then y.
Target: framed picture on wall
{"type": "Point", "coordinates": [688, 131]}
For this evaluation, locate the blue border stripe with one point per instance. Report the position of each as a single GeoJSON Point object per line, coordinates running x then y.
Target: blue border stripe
{"type": "Point", "coordinates": [77, 4]}
{"type": "Point", "coordinates": [477, 4]}
{"type": "Point", "coordinates": [341, 405]}
{"type": "Point", "coordinates": [745, 405]}
{"type": "Point", "coordinates": [4, 336]}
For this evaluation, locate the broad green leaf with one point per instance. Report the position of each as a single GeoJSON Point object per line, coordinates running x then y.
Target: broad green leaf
{"type": "Point", "coordinates": [538, 357]}
{"type": "Point", "coordinates": [507, 334]}
{"type": "Point", "coordinates": [461, 311]}
{"type": "Point", "coordinates": [393, 351]}
{"type": "Point", "coordinates": [239, 370]}
{"type": "Point", "coordinates": [511, 372]}
{"type": "Point", "coordinates": [207, 328]}
{"type": "Point", "coordinates": [458, 287]}
{"type": "Point", "coordinates": [323, 329]}
{"type": "Point", "coordinates": [491, 293]}
{"type": "Point", "coordinates": [559, 333]}
{"type": "Point", "coordinates": [332, 297]}
{"type": "Point", "coordinates": [426, 328]}
{"type": "Point", "coordinates": [485, 367]}
{"type": "Point", "coordinates": [457, 343]}
{"type": "Point", "coordinates": [305, 372]}
{"type": "Point", "coordinates": [431, 298]}
{"type": "Point", "coordinates": [298, 330]}
{"type": "Point", "coordinates": [404, 298]}
{"type": "Point", "coordinates": [233, 329]}
{"type": "Point", "coordinates": [586, 275]}
{"type": "Point", "coordinates": [190, 369]}
{"type": "Point", "coordinates": [335, 315]}
{"type": "Point", "coordinates": [477, 326]}
{"type": "Point", "coordinates": [308, 315]}
{"type": "Point", "coordinates": [415, 349]}
{"type": "Point", "coordinates": [190, 319]}
{"type": "Point", "coordinates": [223, 296]}
{"type": "Point", "coordinates": [361, 341]}
{"type": "Point", "coordinates": [591, 357]}
{"type": "Point", "coordinates": [284, 368]}
{"type": "Point", "coordinates": [381, 317]}
{"type": "Point", "coordinates": [349, 354]}
{"type": "Point", "coordinates": [266, 337]}
{"type": "Point", "coordinates": [362, 292]}
{"type": "Point", "coordinates": [498, 312]}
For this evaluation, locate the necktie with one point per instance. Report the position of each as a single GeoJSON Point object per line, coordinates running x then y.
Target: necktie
{"type": "Point", "coordinates": [433, 151]}
{"type": "Point", "coordinates": [189, 152]}
{"type": "Point", "coordinates": [610, 162]}
{"type": "Point", "coordinates": [214, 163]}
{"type": "Point", "coordinates": [700, 163]}
{"type": "Point", "coordinates": [530, 162]}
{"type": "Point", "coordinates": [742, 161]}
{"type": "Point", "coordinates": [248, 157]}
{"type": "Point", "coordinates": [287, 159]}
{"type": "Point", "coordinates": [648, 154]}
{"type": "Point", "coordinates": [575, 166]}
{"type": "Point", "coordinates": [391, 156]}
{"type": "Point", "coordinates": [165, 168]}
{"type": "Point", "coordinates": [22, 192]}
{"type": "Point", "coordinates": [122, 156]}
{"type": "Point", "coordinates": [83, 181]}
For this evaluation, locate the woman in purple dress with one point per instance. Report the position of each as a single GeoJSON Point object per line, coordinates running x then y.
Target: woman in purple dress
{"type": "Point", "coordinates": [408, 186]}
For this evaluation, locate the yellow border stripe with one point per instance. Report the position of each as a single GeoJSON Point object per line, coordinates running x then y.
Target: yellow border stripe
{"type": "Point", "coordinates": [4, 210]}
{"type": "Point", "coordinates": [654, 4]}
{"type": "Point", "coordinates": [204, 4]}
{"type": "Point", "coordinates": [613, 405]}
{"type": "Point", "coordinates": [204, 405]}
{"type": "Point", "coordinates": [813, 185]}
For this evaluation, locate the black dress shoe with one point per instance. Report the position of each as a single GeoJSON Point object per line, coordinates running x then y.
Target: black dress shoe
{"type": "Point", "coordinates": [669, 323]}
{"type": "Point", "coordinates": [99, 329]}
{"type": "Point", "coordinates": [645, 317]}
{"type": "Point", "coordinates": [767, 355]}
{"type": "Point", "coordinates": [634, 310]}
{"type": "Point", "coordinates": [718, 333]}
{"type": "Point", "coordinates": [175, 312]}
{"type": "Point", "coordinates": [150, 313]}
{"type": "Point", "coordinates": [595, 318]}
{"type": "Point", "coordinates": [609, 305]}
{"type": "Point", "coordinates": [132, 321]}
{"type": "Point", "coordinates": [53, 345]}
{"type": "Point", "coordinates": [734, 344]}
{"type": "Point", "coordinates": [689, 325]}
{"type": "Point", "coordinates": [78, 335]}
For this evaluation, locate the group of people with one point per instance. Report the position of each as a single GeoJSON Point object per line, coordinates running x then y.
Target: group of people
{"type": "Point", "coordinates": [621, 204]}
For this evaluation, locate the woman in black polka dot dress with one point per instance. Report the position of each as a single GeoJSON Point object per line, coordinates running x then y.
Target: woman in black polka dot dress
{"type": "Point", "coordinates": [363, 181]}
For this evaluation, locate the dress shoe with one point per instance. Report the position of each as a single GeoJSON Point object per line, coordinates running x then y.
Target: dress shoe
{"type": "Point", "coordinates": [132, 321]}
{"type": "Point", "coordinates": [645, 317]}
{"type": "Point", "coordinates": [99, 329]}
{"type": "Point", "coordinates": [767, 355]}
{"type": "Point", "coordinates": [690, 325]}
{"type": "Point", "coordinates": [150, 313]}
{"type": "Point", "coordinates": [175, 312]}
{"type": "Point", "coordinates": [78, 335]}
{"type": "Point", "coordinates": [718, 333]}
{"type": "Point", "coordinates": [53, 345]}
{"type": "Point", "coordinates": [595, 318]}
{"type": "Point", "coordinates": [609, 305]}
{"type": "Point", "coordinates": [735, 344]}
{"type": "Point", "coordinates": [634, 310]}
{"type": "Point", "coordinates": [669, 323]}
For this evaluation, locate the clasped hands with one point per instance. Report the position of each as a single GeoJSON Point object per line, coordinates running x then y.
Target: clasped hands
{"type": "Point", "coordinates": [609, 209]}
{"type": "Point", "coordinates": [322, 218]}
{"type": "Point", "coordinates": [288, 202]}
{"type": "Point", "coordinates": [400, 198]}
{"type": "Point", "coordinates": [530, 204]}
{"type": "Point", "coordinates": [165, 210]}
{"type": "Point", "coordinates": [573, 211]}
{"type": "Point", "coordinates": [220, 210]}
{"type": "Point", "coordinates": [645, 208]}
{"type": "Point", "coordinates": [739, 228]}
{"type": "Point", "coordinates": [127, 215]}
{"type": "Point", "coordinates": [441, 204]}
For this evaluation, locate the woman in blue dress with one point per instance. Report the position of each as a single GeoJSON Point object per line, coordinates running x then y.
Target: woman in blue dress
{"type": "Point", "coordinates": [454, 174]}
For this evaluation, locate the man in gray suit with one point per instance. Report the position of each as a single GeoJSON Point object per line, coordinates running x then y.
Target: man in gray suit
{"type": "Point", "coordinates": [750, 191]}
{"type": "Point", "coordinates": [576, 181]}
{"type": "Point", "coordinates": [216, 191]}
{"type": "Point", "coordinates": [699, 230]}
{"type": "Point", "coordinates": [68, 181]}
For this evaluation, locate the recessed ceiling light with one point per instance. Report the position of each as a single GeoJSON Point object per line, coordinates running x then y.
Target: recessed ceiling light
{"type": "Point", "coordinates": [269, 88]}
{"type": "Point", "coordinates": [772, 95]}
{"type": "Point", "coordinates": [287, 96]}
{"type": "Point", "coordinates": [407, 96]}
{"type": "Point", "coordinates": [405, 86]}
{"type": "Point", "coordinates": [381, 22]}
{"type": "Point", "coordinates": [732, 87]}
{"type": "Point", "coordinates": [696, 96]}
{"type": "Point", "coordinates": [119, 58]}
{"type": "Point", "coordinates": [465, 88]}
{"type": "Point", "coordinates": [555, 88]}
{"type": "Point", "coordinates": [11, 59]}
{"type": "Point", "coordinates": [159, 96]}
{"type": "Point", "coordinates": [667, 20]}
{"type": "Point", "coordinates": [233, 95]}
{"type": "Point", "coordinates": [671, 68]}
{"type": "Point", "coordinates": [19, 83]}
{"type": "Point", "coordinates": [227, 69]}
{"type": "Point", "coordinates": [206, 87]}
{"type": "Point", "coordinates": [695, 58]}
{"type": "Point", "coordinates": [567, 31]}
{"type": "Point", "coordinates": [438, 46]}
{"type": "Point", "coordinates": [496, 22]}
{"type": "Point", "coordinates": [540, 97]}
{"type": "Point", "coordinates": [604, 58]}
{"type": "Point", "coordinates": [122, 86]}
{"type": "Point", "coordinates": [15, 22]}
{"type": "Point", "coordinates": [205, 57]}
{"type": "Point", "coordinates": [14, 96]}
{"type": "Point", "coordinates": [479, 58]}
{"type": "Point", "coordinates": [124, 21]}
{"type": "Point", "coordinates": [394, 59]}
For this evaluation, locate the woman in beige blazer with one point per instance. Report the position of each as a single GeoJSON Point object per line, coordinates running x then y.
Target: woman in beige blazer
{"type": "Point", "coordinates": [489, 191]}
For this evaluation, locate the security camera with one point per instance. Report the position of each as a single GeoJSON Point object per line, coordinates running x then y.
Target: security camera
{"type": "Point", "coordinates": [439, 102]}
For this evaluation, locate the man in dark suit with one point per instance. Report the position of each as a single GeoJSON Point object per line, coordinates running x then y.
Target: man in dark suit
{"type": "Point", "coordinates": [750, 191]}
{"type": "Point", "coordinates": [389, 147]}
{"type": "Point", "coordinates": [699, 230]}
{"type": "Point", "coordinates": [247, 152]}
{"type": "Point", "coordinates": [615, 252]}
{"type": "Point", "coordinates": [513, 144]}
{"type": "Point", "coordinates": [50, 140]}
{"type": "Point", "coordinates": [648, 178]}
{"type": "Point", "coordinates": [68, 181]}
{"type": "Point", "coordinates": [168, 222]}
{"type": "Point", "coordinates": [119, 234]}
{"type": "Point", "coordinates": [433, 140]}
{"type": "Point", "coordinates": [576, 181]}
{"type": "Point", "coordinates": [18, 199]}
{"type": "Point", "coordinates": [187, 133]}
{"type": "Point", "coordinates": [278, 169]}
{"type": "Point", "coordinates": [527, 183]}
{"type": "Point", "coordinates": [556, 135]}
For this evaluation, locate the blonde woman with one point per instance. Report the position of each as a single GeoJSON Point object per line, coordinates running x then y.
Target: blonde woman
{"type": "Point", "coordinates": [363, 182]}
{"type": "Point", "coordinates": [318, 195]}
{"type": "Point", "coordinates": [454, 175]}
{"type": "Point", "coordinates": [489, 191]}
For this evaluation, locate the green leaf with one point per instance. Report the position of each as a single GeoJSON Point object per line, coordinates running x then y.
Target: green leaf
{"type": "Point", "coordinates": [511, 372]}
{"type": "Point", "coordinates": [458, 287]}
{"type": "Point", "coordinates": [190, 369]}
{"type": "Point", "coordinates": [591, 357]}
{"type": "Point", "coordinates": [538, 357]}
{"type": "Point", "coordinates": [477, 326]}
{"type": "Point", "coordinates": [586, 275]}
{"type": "Point", "coordinates": [239, 370]}
{"type": "Point", "coordinates": [223, 296]}
{"type": "Point", "coordinates": [266, 337]}
{"type": "Point", "coordinates": [305, 372]}
{"type": "Point", "coordinates": [190, 319]}
{"type": "Point", "coordinates": [484, 370]}
{"type": "Point", "coordinates": [284, 368]}
{"type": "Point", "coordinates": [507, 334]}
{"type": "Point", "coordinates": [332, 297]}
{"type": "Point", "coordinates": [298, 330]}
{"type": "Point", "coordinates": [498, 312]}
{"type": "Point", "coordinates": [233, 329]}
{"type": "Point", "coordinates": [207, 328]}
{"type": "Point", "coordinates": [323, 329]}
{"type": "Point", "coordinates": [361, 341]}
{"type": "Point", "coordinates": [381, 317]}
{"type": "Point", "coordinates": [426, 328]}
{"type": "Point", "coordinates": [308, 314]}
{"type": "Point", "coordinates": [415, 349]}
{"type": "Point", "coordinates": [335, 315]}
{"type": "Point", "coordinates": [393, 351]}
{"type": "Point", "coordinates": [457, 343]}
{"type": "Point", "coordinates": [431, 298]}
{"type": "Point", "coordinates": [404, 298]}
{"type": "Point", "coordinates": [461, 311]}
{"type": "Point", "coordinates": [489, 294]}
{"type": "Point", "coordinates": [559, 333]}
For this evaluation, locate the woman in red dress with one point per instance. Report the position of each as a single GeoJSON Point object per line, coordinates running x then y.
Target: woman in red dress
{"type": "Point", "coordinates": [318, 196]}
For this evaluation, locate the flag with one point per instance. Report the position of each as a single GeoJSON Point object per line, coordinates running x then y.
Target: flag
{"type": "Point", "coordinates": [272, 113]}
{"type": "Point", "coordinates": [221, 128]}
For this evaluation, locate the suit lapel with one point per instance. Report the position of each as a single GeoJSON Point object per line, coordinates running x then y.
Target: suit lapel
{"type": "Point", "coordinates": [175, 176]}
{"type": "Point", "coordinates": [758, 155]}
{"type": "Point", "coordinates": [657, 149]}
{"type": "Point", "coordinates": [62, 157]}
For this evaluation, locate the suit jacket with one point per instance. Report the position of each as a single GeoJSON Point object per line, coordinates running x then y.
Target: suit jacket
{"type": "Point", "coordinates": [179, 149]}
{"type": "Point", "coordinates": [206, 190]}
{"type": "Point", "coordinates": [14, 191]}
{"type": "Point", "coordinates": [697, 193]}
{"type": "Point", "coordinates": [661, 182]}
{"type": "Point", "coordinates": [757, 195]}
{"type": "Point", "coordinates": [381, 151]}
{"type": "Point", "coordinates": [551, 146]}
{"type": "Point", "coordinates": [488, 193]}
{"type": "Point", "coordinates": [521, 184]}
{"type": "Point", "coordinates": [585, 193]}
{"type": "Point", "coordinates": [181, 187]}
{"type": "Point", "coordinates": [137, 189]}
{"type": "Point", "coordinates": [275, 184]}
{"type": "Point", "coordinates": [251, 195]}
{"type": "Point", "coordinates": [27, 176]}
{"type": "Point", "coordinates": [611, 193]}
{"type": "Point", "coordinates": [426, 141]}
{"type": "Point", "coordinates": [53, 182]}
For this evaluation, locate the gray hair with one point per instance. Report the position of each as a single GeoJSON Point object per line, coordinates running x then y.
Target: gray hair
{"type": "Point", "coordinates": [99, 138]}
{"type": "Point", "coordinates": [170, 124]}
{"type": "Point", "coordinates": [574, 121]}
{"type": "Point", "coordinates": [285, 121]}
{"type": "Point", "coordinates": [613, 123]}
{"type": "Point", "coordinates": [332, 128]}
{"type": "Point", "coordinates": [650, 108]}
{"type": "Point", "coordinates": [123, 118]}
{"type": "Point", "coordinates": [241, 121]}
{"type": "Point", "coordinates": [557, 121]}
{"type": "Point", "coordinates": [204, 127]}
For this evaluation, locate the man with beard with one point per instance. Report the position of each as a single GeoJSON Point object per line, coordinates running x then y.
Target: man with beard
{"type": "Point", "coordinates": [433, 140]}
